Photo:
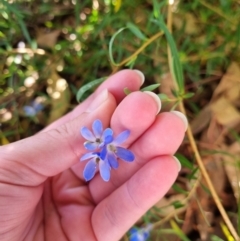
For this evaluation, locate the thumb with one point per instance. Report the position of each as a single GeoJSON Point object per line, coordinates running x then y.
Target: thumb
{"type": "Point", "coordinates": [31, 160]}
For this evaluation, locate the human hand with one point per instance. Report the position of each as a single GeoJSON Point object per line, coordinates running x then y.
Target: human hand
{"type": "Point", "coordinates": [43, 192]}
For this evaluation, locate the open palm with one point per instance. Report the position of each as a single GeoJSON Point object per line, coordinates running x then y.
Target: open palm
{"type": "Point", "coordinates": [43, 193]}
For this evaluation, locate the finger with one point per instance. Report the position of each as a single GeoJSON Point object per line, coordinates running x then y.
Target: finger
{"type": "Point", "coordinates": [32, 160]}
{"type": "Point", "coordinates": [122, 208]}
{"type": "Point", "coordinates": [115, 84]}
{"type": "Point", "coordinates": [136, 112]}
{"type": "Point", "coordinates": [162, 138]}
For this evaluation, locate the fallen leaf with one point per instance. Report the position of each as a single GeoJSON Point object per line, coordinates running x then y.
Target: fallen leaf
{"type": "Point", "coordinates": [201, 121]}
{"type": "Point", "coordinates": [225, 112]}
{"type": "Point", "coordinates": [229, 87]}
{"type": "Point", "coordinates": [231, 165]}
{"type": "Point", "coordinates": [188, 21]}
{"type": "Point", "coordinates": [47, 39]}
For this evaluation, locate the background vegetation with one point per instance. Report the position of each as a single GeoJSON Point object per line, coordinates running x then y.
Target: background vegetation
{"type": "Point", "coordinates": [51, 49]}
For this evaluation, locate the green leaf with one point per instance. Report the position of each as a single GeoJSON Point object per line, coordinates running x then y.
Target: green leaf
{"type": "Point", "coordinates": [216, 238]}
{"type": "Point", "coordinates": [111, 46]}
{"type": "Point", "coordinates": [163, 96]}
{"type": "Point", "coordinates": [192, 174]}
{"type": "Point", "coordinates": [177, 204]}
{"type": "Point", "coordinates": [184, 161]}
{"type": "Point", "coordinates": [178, 189]}
{"type": "Point", "coordinates": [150, 87]}
{"type": "Point", "coordinates": [87, 87]}
{"type": "Point", "coordinates": [188, 95]}
{"type": "Point", "coordinates": [127, 91]}
{"type": "Point", "coordinates": [178, 231]}
{"type": "Point", "coordinates": [136, 31]}
{"type": "Point", "coordinates": [176, 68]}
{"type": "Point", "coordinates": [157, 7]}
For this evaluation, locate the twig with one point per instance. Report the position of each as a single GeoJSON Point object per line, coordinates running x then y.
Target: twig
{"type": "Point", "coordinates": [138, 51]}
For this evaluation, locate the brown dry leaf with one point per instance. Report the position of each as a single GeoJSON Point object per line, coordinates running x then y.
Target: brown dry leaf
{"type": "Point", "coordinates": [47, 39]}
{"type": "Point", "coordinates": [59, 92]}
{"type": "Point", "coordinates": [225, 112]}
{"type": "Point", "coordinates": [189, 20]}
{"type": "Point", "coordinates": [231, 165]}
{"type": "Point", "coordinates": [215, 133]}
{"type": "Point", "coordinates": [229, 86]}
{"type": "Point", "coordinates": [200, 122]}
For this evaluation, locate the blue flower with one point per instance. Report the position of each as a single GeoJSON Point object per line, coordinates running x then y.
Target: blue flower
{"type": "Point", "coordinates": [98, 138]}
{"type": "Point", "coordinates": [114, 150]}
{"type": "Point", "coordinates": [105, 150]}
{"type": "Point", "coordinates": [141, 234]}
{"type": "Point", "coordinates": [33, 108]}
{"type": "Point", "coordinates": [98, 161]}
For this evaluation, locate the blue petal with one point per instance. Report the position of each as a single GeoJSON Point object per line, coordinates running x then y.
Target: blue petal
{"type": "Point", "coordinates": [112, 160]}
{"type": "Point", "coordinates": [29, 110]}
{"type": "Point", "coordinates": [103, 153]}
{"type": "Point", "coordinates": [122, 137]}
{"type": "Point", "coordinates": [91, 146]}
{"type": "Point", "coordinates": [146, 234]}
{"type": "Point", "coordinates": [87, 156]}
{"type": "Point", "coordinates": [108, 139]}
{"type": "Point", "coordinates": [97, 128]}
{"type": "Point", "coordinates": [133, 230]}
{"type": "Point", "coordinates": [37, 106]}
{"type": "Point", "coordinates": [137, 237]}
{"type": "Point", "coordinates": [90, 169]}
{"type": "Point", "coordinates": [107, 132]}
{"type": "Point", "coordinates": [104, 169]}
{"type": "Point", "coordinates": [87, 134]}
{"type": "Point", "coordinates": [124, 154]}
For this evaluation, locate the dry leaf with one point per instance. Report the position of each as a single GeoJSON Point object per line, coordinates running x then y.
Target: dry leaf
{"type": "Point", "coordinates": [189, 20]}
{"type": "Point", "coordinates": [230, 84]}
{"type": "Point", "coordinates": [48, 39]}
{"type": "Point", "coordinates": [231, 165]}
{"type": "Point", "coordinates": [225, 112]}
{"type": "Point", "coordinates": [200, 122]}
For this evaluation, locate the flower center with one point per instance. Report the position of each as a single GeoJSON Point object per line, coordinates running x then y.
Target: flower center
{"type": "Point", "coordinates": [97, 159]}
{"type": "Point", "coordinates": [98, 140]}
{"type": "Point", "coordinates": [112, 148]}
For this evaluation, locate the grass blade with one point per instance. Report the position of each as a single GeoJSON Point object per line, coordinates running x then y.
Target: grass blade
{"type": "Point", "coordinates": [87, 87]}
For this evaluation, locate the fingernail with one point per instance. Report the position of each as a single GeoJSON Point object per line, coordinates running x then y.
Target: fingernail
{"type": "Point", "coordinates": [178, 163]}
{"type": "Point", "coordinates": [182, 116]}
{"type": "Point", "coordinates": [141, 75]}
{"type": "Point", "coordinates": [156, 98]}
{"type": "Point", "coordinates": [102, 97]}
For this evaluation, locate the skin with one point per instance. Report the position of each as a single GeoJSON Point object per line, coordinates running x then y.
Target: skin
{"type": "Point", "coordinates": [43, 195]}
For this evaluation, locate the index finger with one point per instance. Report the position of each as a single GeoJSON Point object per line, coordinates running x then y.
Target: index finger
{"type": "Point", "coordinates": [115, 84]}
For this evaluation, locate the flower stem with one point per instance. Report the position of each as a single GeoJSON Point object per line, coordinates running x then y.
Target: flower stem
{"type": "Point", "coordinates": [138, 51]}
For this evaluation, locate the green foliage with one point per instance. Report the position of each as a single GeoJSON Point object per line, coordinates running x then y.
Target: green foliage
{"type": "Point", "coordinates": [87, 87]}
